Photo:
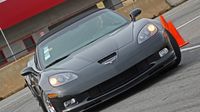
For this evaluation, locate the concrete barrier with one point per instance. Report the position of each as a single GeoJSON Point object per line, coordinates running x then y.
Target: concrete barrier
{"type": "Point", "coordinates": [10, 79]}
{"type": "Point", "coordinates": [175, 2]}
{"type": "Point", "coordinates": [150, 8]}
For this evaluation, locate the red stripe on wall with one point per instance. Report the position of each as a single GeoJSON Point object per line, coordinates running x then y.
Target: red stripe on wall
{"type": "Point", "coordinates": [15, 11]}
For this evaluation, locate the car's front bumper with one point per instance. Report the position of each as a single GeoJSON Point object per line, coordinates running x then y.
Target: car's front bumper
{"type": "Point", "coordinates": [121, 82]}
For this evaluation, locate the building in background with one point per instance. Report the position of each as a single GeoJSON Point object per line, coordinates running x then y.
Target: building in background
{"type": "Point", "coordinates": [25, 21]}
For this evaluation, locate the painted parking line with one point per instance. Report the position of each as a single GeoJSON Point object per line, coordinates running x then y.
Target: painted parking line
{"type": "Point", "coordinates": [185, 24]}
{"type": "Point", "coordinates": [181, 26]}
{"type": "Point", "coordinates": [190, 48]}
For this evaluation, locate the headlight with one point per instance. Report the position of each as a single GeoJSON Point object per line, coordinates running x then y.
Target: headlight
{"type": "Point", "coordinates": [147, 32]}
{"type": "Point", "coordinates": [62, 78]}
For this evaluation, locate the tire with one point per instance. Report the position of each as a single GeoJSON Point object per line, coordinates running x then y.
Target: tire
{"type": "Point", "coordinates": [41, 104]}
{"type": "Point", "coordinates": [176, 50]}
{"type": "Point", "coordinates": [38, 98]}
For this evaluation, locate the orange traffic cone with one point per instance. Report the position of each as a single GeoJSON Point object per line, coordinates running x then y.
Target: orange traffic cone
{"type": "Point", "coordinates": [172, 29]}
{"type": "Point", "coordinates": [179, 39]}
{"type": "Point", "coordinates": [164, 22]}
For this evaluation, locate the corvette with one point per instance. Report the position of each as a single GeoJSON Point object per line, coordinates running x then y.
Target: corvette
{"type": "Point", "coordinates": [95, 56]}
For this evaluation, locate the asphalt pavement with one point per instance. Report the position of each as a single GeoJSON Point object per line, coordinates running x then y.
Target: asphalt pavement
{"type": "Point", "coordinates": [177, 90]}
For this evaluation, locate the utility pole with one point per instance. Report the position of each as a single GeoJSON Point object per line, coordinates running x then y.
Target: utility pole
{"type": "Point", "coordinates": [8, 43]}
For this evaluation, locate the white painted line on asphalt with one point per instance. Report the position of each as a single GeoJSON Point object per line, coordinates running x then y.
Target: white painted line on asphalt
{"type": "Point", "coordinates": [190, 48]}
{"type": "Point", "coordinates": [189, 22]}
{"type": "Point", "coordinates": [16, 99]}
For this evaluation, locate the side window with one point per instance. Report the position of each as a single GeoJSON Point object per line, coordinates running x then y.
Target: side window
{"type": "Point", "coordinates": [29, 43]}
{"type": "Point", "coordinates": [3, 59]}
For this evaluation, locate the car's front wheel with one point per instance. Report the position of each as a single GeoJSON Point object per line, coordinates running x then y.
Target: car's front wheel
{"type": "Point", "coordinates": [176, 49]}
{"type": "Point", "coordinates": [46, 104]}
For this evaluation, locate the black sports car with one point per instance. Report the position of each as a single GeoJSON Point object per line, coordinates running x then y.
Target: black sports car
{"type": "Point", "coordinates": [96, 56]}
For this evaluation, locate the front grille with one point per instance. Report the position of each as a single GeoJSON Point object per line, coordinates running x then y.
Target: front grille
{"type": "Point", "coordinates": [120, 79]}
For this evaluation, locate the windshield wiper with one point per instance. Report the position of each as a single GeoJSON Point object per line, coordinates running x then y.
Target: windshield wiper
{"type": "Point", "coordinates": [57, 60]}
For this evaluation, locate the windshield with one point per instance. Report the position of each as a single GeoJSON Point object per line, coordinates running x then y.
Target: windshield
{"type": "Point", "coordinates": [78, 35]}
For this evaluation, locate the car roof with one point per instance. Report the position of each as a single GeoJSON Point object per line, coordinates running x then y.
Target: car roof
{"type": "Point", "coordinates": [68, 22]}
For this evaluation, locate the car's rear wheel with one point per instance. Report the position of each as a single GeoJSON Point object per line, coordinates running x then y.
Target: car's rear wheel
{"type": "Point", "coordinates": [176, 49]}
{"type": "Point", "coordinates": [46, 104]}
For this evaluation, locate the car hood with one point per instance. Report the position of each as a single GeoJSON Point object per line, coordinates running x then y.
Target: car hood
{"type": "Point", "coordinates": [97, 50]}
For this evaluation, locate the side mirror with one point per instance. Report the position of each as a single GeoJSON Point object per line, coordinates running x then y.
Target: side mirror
{"type": "Point", "coordinates": [134, 13]}
{"type": "Point", "coordinates": [27, 71]}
